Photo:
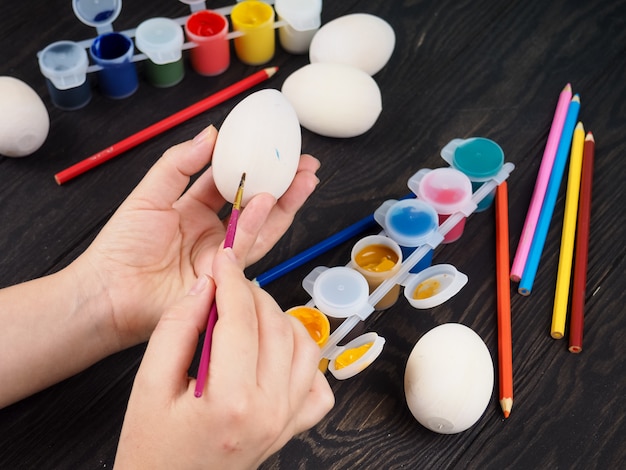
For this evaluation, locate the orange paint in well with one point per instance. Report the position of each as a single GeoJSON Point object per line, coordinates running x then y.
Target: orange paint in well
{"type": "Point", "coordinates": [427, 289]}
{"type": "Point", "coordinates": [349, 356]}
{"type": "Point", "coordinates": [315, 322]}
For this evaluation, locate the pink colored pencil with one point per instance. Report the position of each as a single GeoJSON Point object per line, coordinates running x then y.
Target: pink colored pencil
{"type": "Point", "coordinates": [203, 367]}
{"type": "Point", "coordinates": [541, 184]}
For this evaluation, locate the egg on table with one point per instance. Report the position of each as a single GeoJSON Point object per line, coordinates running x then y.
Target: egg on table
{"type": "Point", "coordinates": [334, 100]}
{"type": "Point", "coordinates": [361, 40]}
{"type": "Point", "coordinates": [24, 120]}
{"type": "Point", "coordinates": [449, 378]}
{"type": "Point", "coordinates": [260, 137]}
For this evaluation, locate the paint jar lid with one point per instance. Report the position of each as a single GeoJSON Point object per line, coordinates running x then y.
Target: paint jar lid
{"type": "Point", "coordinates": [478, 157]}
{"type": "Point", "coordinates": [301, 15]}
{"type": "Point", "coordinates": [447, 190]}
{"type": "Point", "coordinates": [339, 292]}
{"type": "Point", "coordinates": [433, 286]}
{"type": "Point", "coordinates": [410, 222]}
{"type": "Point", "coordinates": [195, 5]}
{"type": "Point", "coordinates": [361, 360]}
{"type": "Point", "coordinates": [65, 64]}
{"type": "Point", "coordinates": [161, 39]}
{"type": "Point", "coordinates": [97, 13]}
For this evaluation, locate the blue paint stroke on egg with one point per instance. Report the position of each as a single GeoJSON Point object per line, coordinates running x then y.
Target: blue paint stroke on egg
{"type": "Point", "coordinates": [277, 153]}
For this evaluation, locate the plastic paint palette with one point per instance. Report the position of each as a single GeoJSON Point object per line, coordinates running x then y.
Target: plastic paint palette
{"type": "Point", "coordinates": [160, 42]}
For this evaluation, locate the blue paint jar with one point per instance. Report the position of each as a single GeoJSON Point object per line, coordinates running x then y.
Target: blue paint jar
{"type": "Point", "coordinates": [114, 52]}
{"type": "Point", "coordinates": [410, 223]}
{"type": "Point", "coordinates": [64, 64]}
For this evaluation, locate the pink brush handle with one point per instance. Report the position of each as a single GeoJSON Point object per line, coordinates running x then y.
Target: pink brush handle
{"type": "Point", "coordinates": [203, 368]}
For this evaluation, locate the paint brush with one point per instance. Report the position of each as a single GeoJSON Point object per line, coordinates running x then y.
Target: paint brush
{"type": "Point", "coordinates": [203, 368]}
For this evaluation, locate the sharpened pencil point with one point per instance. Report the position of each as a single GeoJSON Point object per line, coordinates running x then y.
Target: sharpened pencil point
{"type": "Point", "coordinates": [590, 136]}
{"type": "Point", "coordinates": [506, 404]}
{"type": "Point", "coordinates": [270, 71]}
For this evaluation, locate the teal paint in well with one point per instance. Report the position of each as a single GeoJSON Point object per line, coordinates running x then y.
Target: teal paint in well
{"type": "Point", "coordinates": [480, 159]}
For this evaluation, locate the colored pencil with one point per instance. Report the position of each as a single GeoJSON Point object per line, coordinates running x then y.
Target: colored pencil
{"type": "Point", "coordinates": [163, 125]}
{"type": "Point", "coordinates": [205, 356]}
{"type": "Point", "coordinates": [325, 245]}
{"type": "Point", "coordinates": [503, 289]}
{"type": "Point", "coordinates": [582, 248]}
{"type": "Point", "coordinates": [566, 254]}
{"type": "Point", "coordinates": [552, 191]}
{"type": "Point", "coordinates": [541, 184]}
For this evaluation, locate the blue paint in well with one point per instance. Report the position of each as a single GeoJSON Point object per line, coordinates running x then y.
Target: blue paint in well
{"type": "Point", "coordinates": [413, 222]}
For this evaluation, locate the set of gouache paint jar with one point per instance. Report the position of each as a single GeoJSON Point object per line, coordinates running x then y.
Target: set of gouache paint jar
{"type": "Point", "coordinates": [400, 257]}
{"type": "Point", "coordinates": [160, 43]}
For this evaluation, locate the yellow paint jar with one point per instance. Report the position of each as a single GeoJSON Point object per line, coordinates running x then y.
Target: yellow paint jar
{"type": "Point", "coordinates": [255, 21]}
{"type": "Point", "coordinates": [378, 258]}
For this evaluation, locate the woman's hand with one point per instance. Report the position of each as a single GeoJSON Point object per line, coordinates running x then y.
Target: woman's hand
{"type": "Point", "coordinates": [263, 385]}
{"type": "Point", "coordinates": [162, 236]}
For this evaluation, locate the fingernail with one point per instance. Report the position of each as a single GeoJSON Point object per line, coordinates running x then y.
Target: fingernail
{"type": "Point", "coordinates": [201, 137]}
{"type": "Point", "coordinates": [199, 285]}
{"type": "Point", "coordinates": [230, 254]}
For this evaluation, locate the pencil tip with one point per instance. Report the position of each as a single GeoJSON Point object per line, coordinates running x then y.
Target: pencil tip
{"type": "Point", "coordinates": [568, 87]}
{"type": "Point", "coordinates": [580, 126]}
{"type": "Point", "coordinates": [590, 136]}
{"type": "Point", "coordinates": [506, 404]}
{"type": "Point", "coordinates": [576, 98]}
{"type": "Point", "coordinates": [270, 71]}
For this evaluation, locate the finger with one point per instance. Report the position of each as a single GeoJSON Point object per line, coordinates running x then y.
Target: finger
{"type": "Point", "coordinates": [277, 339]}
{"type": "Point", "coordinates": [252, 220]}
{"type": "Point", "coordinates": [173, 344]}
{"type": "Point", "coordinates": [170, 175]}
{"type": "Point", "coordinates": [235, 338]}
{"type": "Point", "coordinates": [205, 192]}
{"type": "Point", "coordinates": [283, 213]}
{"type": "Point", "coordinates": [318, 402]}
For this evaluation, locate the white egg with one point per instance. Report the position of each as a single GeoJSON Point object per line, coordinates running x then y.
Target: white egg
{"type": "Point", "coordinates": [334, 100]}
{"type": "Point", "coordinates": [260, 137]}
{"type": "Point", "coordinates": [24, 120]}
{"type": "Point", "coordinates": [449, 377]}
{"type": "Point", "coordinates": [362, 40]}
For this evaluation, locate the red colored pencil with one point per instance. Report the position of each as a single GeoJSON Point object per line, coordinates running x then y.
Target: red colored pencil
{"type": "Point", "coordinates": [163, 125]}
{"type": "Point", "coordinates": [503, 289]}
{"type": "Point", "coordinates": [582, 248]}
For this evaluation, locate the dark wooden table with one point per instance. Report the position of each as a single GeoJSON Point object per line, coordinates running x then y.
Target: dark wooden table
{"type": "Point", "coordinates": [460, 69]}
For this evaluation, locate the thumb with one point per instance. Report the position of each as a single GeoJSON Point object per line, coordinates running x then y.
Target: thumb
{"type": "Point", "coordinates": [169, 176]}
{"type": "Point", "coordinates": [173, 344]}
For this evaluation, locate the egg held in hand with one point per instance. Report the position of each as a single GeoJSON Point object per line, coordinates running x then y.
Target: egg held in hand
{"type": "Point", "coordinates": [449, 379]}
{"type": "Point", "coordinates": [24, 120]}
{"type": "Point", "coordinates": [260, 137]}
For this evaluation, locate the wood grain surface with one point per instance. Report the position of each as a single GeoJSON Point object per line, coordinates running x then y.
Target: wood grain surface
{"type": "Point", "coordinates": [459, 69]}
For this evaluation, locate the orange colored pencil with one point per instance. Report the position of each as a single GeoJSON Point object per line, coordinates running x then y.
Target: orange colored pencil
{"type": "Point", "coordinates": [582, 248]}
{"type": "Point", "coordinates": [503, 286]}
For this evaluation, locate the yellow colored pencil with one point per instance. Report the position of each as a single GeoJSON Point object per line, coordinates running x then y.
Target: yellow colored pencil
{"type": "Point", "coordinates": [564, 271]}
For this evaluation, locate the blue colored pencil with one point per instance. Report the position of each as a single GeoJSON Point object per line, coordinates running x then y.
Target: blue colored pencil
{"type": "Point", "coordinates": [325, 245]}
{"type": "Point", "coordinates": [547, 209]}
